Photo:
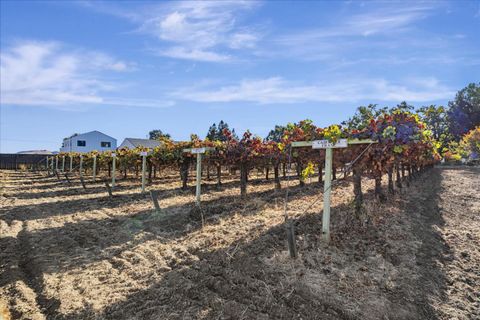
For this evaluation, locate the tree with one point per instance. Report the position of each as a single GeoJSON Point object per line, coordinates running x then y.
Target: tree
{"type": "Point", "coordinates": [276, 134]}
{"type": "Point", "coordinates": [217, 133]}
{"type": "Point", "coordinates": [436, 119]}
{"type": "Point", "coordinates": [212, 132]}
{"type": "Point", "coordinates": [403, 107]}
{"type": "Point", "coordinates": [157, 134]}
{"type": "Point", "coordinates": [234, 135]}
{"type": "Point", "coordinates": [363, 115]}
{"type": "Point", "coordinates": [464, 111]}
{"type": "Point", "coordinates": [469, 146]}
{"type": "Point", "coordinates": [221, 129]}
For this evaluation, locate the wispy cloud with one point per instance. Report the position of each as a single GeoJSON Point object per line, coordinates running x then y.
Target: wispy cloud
{"type": "Point", "coordinates": [191, 30]}
{"type": "Point", "coordinates": [224, 31]}
{"type": "Point", "coordinates": [200, 30]}
{"type": "Point", "coordinates": [50, 74]}
{"type": "Point", "coordinates": [382, 27]}
{"type": "Point", "coordinates": [181, 52]}
{"type": "Point", "coordinates": [276, 90]}
{"type": "Point", "coordinates": [383, 21]}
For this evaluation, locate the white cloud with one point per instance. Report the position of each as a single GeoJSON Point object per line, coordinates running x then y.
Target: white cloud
{"type": "Point", "coordinates": [192, 30]}
{"type": "Point", "coordinates": [380, 29]}
{"type": "Point", "coordinates": [269, 90]}
{"type": "Point", "coordinates": [385, 21]}
{"type": "Point", "coordinates": [49, 74]}
{"type": "Point", "coordinates": [196, 24]}
{"type": "Point", "coordinates": [38, 74]}
{"type": "Point", "coordinates": [276, 90]}
{"type": "Point", "coordinates": [218, 31]}
{"type": "Point", "coordinates": [193, 54]}
{"type": "Point", "coordinates": [99, 61]}
{"type": "Point", "coordinates": [243, 39]}
{"type": "Point", "coordinates": [143, 103]}
{"type": "Point", "coordinates": [201, 30]}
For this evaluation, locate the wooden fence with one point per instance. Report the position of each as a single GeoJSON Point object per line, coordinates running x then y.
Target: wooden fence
{"type": "Point", "coordinates": [14, 161]}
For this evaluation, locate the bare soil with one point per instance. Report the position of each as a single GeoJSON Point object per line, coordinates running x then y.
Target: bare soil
{"type": "Point", "coordinates": [70, 253]}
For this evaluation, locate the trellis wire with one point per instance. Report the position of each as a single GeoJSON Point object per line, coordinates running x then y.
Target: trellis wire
{"type": "Point", "coordinates": [313, 203]}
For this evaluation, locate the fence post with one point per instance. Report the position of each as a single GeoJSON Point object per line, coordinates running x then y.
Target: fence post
{"type": "Point", "coordinates": [144, 164]}
{"type": "Point", "coordinates": [109, 190]}
{"type": "Point", "coordinates": [326, 194]}
{"type": "Point", "coordinates": [71, 163]}
{"type": "Point", "coordinates": [63, 164]}
{"type": "Point", "coordinates": [83, 183]}
{"type": "Point", "coordinates": [81, 166]}
{"type": "Point", "coordinates": [154, 195]}
{"type": "Point", "coordinates": [114, 157]}
{"type": "Point", "coordinates": [291, 238]}
{"type": "Point", "coordinates": [199, 179]}
{"type": "Point", "coordinates": [94, 167]}
{"type": "Point", "coordinates": [56, 163]}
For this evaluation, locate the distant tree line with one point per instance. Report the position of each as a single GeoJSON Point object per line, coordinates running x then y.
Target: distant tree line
{"type": "Point", "coordinates": [448, 124]}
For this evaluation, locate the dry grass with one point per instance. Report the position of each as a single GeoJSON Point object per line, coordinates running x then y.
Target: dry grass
{"type": "Point", "coordinates": [70, 253]}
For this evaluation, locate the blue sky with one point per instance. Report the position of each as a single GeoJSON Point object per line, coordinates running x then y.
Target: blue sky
{"type": "Point", "coordinates": [125, 68]}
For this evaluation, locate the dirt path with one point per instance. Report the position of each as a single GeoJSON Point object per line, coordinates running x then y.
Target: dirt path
{"type": "Point", "coordinates": [450, 253]}
{"type": "Point", "coordinates": [69, 253]}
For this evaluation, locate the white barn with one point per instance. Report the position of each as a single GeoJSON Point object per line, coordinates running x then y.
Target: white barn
{"type": "Point", "coordinates": [86, 142]}
{"type": "Point", "coordinates": [132, 143]}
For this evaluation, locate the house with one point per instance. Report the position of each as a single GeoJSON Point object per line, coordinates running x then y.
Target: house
{"type": "Point", "coordinates": [132, 143]}
{"type": "Point", "coordinates": [86, 142]}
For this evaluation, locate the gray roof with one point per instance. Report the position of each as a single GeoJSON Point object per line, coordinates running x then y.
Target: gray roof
{"type": "Point", "coordinates": [143, 142]}
{"type": "Point", "coordinates": [35, 152]}
{"type": "Point", "coordinates": [81, 134]}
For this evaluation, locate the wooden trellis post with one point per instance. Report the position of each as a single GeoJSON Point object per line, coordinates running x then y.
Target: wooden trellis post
{"type": "Point", "coordinates": [83, 183]}
{"type": "Point", "coordinates": [94, 168]}
{"type": "Point", "coordinates": [144, 165]}
{"type": "Point", "coordinates": [198, 152]}
{"type": "Point", "coordinates": [328, 146]}
{"type": "Point", "coordinates": [114, 158]}
{"type": "Point", "coordinates": [154, 195]}
{"type": "Point", "coordinates": [81, 166]}
{"type": "Point", "coordinates": [63, 164]}
{"type": "Point", "coordinates": [56, 163]}
{"type": "Point", "coordinates": [109, 190]}
{"type": "Point", "coordinates": [71, 163]}
{"type": "Point", "coordinates": [327, 188]}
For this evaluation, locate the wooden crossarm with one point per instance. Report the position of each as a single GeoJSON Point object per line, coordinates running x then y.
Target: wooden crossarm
{"type": "Point", "coordinates": [296, 144]}
{"type": "Point", "coordinates": [361, 141]}
{"type": "Point", "coordinates": [189, 150]}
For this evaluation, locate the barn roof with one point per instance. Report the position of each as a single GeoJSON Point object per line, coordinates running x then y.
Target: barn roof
{"type": "Point", "coordinates": [143, 142]}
